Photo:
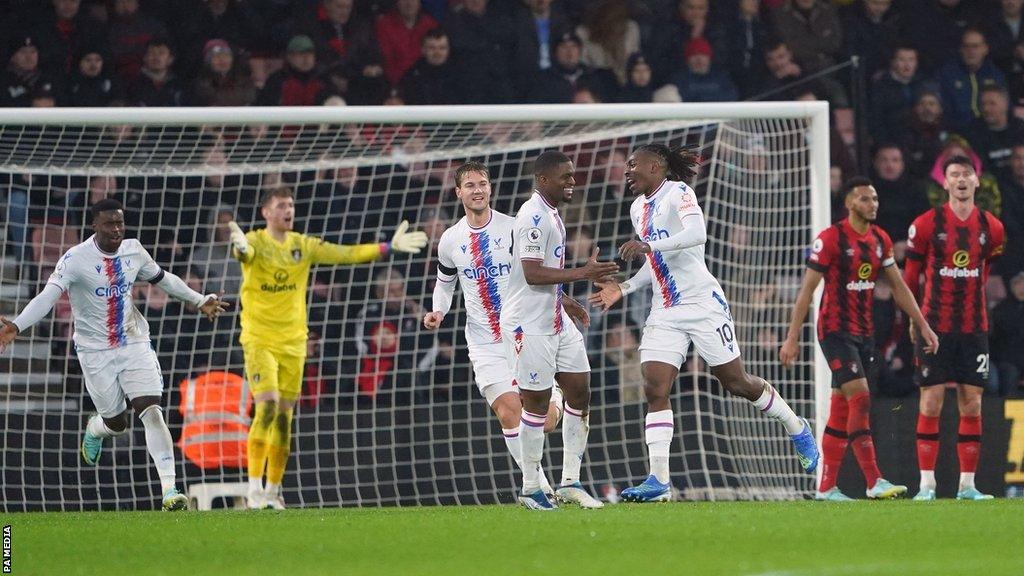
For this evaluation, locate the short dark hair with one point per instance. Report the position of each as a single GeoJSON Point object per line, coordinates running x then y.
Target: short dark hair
{"type": "Point", "coordinates": [994, 88]}
{"type": "Point", "coordinates": [886, 145]}
{"type": "Point", "coordinates": [548, 160]}
{"type": "Point", "coordinates": [466, 168]}
{"type": "Point", "coordinates": [434, 34]}
{"type": "Point", "coordinates": [276, 192]}
{"type": "Point", "coordinates": [959, 159]}
{"type": "Point", "coordinates": [902, 47]}
{"type": "Point", "coordinates": [105, 205]}
{"type": "Point", "coordinates": [853, 183]}
{"type": "Point", "coordinates": [160, 41]}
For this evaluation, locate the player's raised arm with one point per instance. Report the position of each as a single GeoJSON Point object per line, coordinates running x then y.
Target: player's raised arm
{"type": "Point", "coordinates": [403, 241]}
{"type": "Point", "coordinates": [240, 247]}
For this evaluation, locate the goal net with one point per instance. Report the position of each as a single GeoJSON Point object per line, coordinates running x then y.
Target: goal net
{"type": "Point", "coordinates": [389, 413]}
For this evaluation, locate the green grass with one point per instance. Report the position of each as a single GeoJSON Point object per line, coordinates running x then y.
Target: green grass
{"type": "Point", "coordinates": [777, 538]}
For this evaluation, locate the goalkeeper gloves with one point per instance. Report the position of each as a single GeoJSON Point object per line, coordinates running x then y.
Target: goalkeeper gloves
{"type": "Point", "coordinates": [238, 239]}
{"type": "Point", "coordinates": [404, 241]}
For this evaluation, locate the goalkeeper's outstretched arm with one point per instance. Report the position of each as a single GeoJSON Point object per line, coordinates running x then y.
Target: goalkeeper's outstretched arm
{"type": "Point", "coordinates": [402, 241]}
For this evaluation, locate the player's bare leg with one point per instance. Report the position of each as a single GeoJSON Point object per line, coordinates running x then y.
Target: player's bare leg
{"type": "Point", "coordinates": [765, 398]}
{"type": "Point", "coordinates": [858, 430]}
{"type": "Point", "coordinates": [929, 409]}
{"type": "Point", "coordinates": [659, 428]}
{"type": "Point", "coordinates": [161, 449]}
{"type": "Point", "coordinates": [968, 446]}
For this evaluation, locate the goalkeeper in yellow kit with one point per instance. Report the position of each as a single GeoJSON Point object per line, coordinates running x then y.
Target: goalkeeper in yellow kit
{"type": "Point", "coordinates": [276, 264]}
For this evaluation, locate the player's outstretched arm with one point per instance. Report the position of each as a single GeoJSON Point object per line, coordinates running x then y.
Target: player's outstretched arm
{"type": "Point", "coordinates": [790, 349]}
{"type": "Point", "coordinates": [210, 305]}
{"type": "Point", "coordinates": [34, 311]}
{"type": "Point", "coordinates": [612, 292]}
{"type": "Point", "coordinates": [537, 274]}
{"type": "Point", "coordinates": [905, 300]}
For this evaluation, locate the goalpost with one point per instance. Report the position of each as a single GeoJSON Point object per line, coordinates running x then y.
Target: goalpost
{"type": "Point", "coordinates": [389, 413]}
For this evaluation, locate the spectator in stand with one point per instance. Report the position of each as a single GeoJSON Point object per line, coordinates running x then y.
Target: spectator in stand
{"type": "Point", "coordinates": [346, 41]}
{"type": "Point", "coordinates": [237, 22]}
{"type": "Point", "coordinates": [400, 32]}
{"type": "Point", "coordinates": [1012, 187]}
{"type": "Point", "coordinates": [812, 31]}
{"type": "Point", "coordinates": [157, 85]}
{"type": "Point", "coordinates": [1008, 338]}
{"type": "Point", "coordinates": [901, 195]}
{"type": "Point", "coordinates": [297, 83]}
{"type": "Point", "coordinates": [548, 18]}
{"type": "Point", "coordinates": [130, 33]}
{"type": "Point", "coordinates": [870, 30]}
{"type": "Point", "coordinates": [63, 33]}
{"type": "Point", "coordinates": [489, 47]}
{"type": "Point", "coordinates": [986, 197]}
{"type": "Point", "coordinates": [621, 352]}
{"type": "Point", "coordinates": [749, 37]}
{"type": "Point", "coordinates": [609, 37]}
{"type": "Point", "coordinates": [638, 86]}
{"type": "Point", "coordinates": [92, 84]}
{"type": "Point", "coordinates": [892, 94]}
{"type": "Point", "coordinates": [934, 27]}
{"type": "Point", "coordinates": [923, 133]}
{"type": "Point", "coordinates": [23, 78]}
{"type": "Point", "coordinates": [962, 79]}
{"type": "Point", "coordinates": [1004, 29]}
{"type": "Point", "coordinates": [692, 19]}
{"type": "Point", "coordinates": [431, 79]}
{"type": "Point", "coordinates": [224, 80]}
{"type": "Point", "coordinates": [995, 133]}
{"type": "Point", "coordinates": [700, 82]}
{"type": "Point", "coordinates": [559, 84]}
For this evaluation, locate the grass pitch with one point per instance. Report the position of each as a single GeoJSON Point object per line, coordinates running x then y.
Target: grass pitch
{"type": "Point", "coordinates": [742, 538]}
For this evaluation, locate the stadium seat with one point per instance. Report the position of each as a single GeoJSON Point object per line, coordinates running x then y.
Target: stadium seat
{"type": "Point", "coordinates": [201, 496]}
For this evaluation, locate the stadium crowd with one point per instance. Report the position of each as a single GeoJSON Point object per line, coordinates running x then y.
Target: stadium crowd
{"type": "Point", "coordinates": [944, 77]}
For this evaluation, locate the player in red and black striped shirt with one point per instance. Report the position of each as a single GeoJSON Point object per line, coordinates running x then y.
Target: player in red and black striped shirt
{"type": "Point", "coordinates": [952, 244]}
{"type": "Point", "coordinates": [850, 255]}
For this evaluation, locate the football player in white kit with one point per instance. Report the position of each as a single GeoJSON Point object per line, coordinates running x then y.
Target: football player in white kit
{"type": "Point", "coordinates": [541, 341]}
{"type": "Point", "coordinates": [477, 252]}
{"type": "Point", "coordinates": [688, 306]}
{"type": "Point", "coordinates": [112, 336]}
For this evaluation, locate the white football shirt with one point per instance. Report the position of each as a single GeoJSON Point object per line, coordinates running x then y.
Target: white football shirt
{"type": "Point", "coordinates": [539, 234]}
{"type": "Point", "coordinates": [482, 261]}
{"type": "Point", "coordinates": [679, 276]}
{"type": "Point", "coordinates": [99, 286]}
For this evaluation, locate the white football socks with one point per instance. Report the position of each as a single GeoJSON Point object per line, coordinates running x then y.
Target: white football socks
{"type": "Point", "coordinates": [575, 429]}
{"type": "Point", "coordinates": [966, 480]}
{"type": "Point", "coordinates": [773, 406]}
{"type": "Point", "coordinates": [515, 447]}
{"type": "Point", "coordinates": [658, 431]}
{"type": "Point", "coordinates": [927, 480]}
{"type": "Point", "coordinates": [531, 438]}
{"type": "Point", "coordinates": [159, 444]}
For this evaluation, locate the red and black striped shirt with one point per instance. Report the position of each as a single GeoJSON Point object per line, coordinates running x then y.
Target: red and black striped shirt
{"type": "Point", "coordinates": [954, 254]}
{"type": "Point", "coordinates": [851, 262]}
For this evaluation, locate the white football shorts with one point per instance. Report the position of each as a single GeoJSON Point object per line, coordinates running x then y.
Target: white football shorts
{"type": "Point", "coordinates": [110, 375]}
{"type": "Point", "coordinates": [536, 358]}
{"type": "Point", "coordinates": [669, 331]}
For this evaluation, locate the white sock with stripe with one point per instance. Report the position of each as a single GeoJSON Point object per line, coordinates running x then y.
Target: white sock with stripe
{"type": "Point", "coordinates": [773, 406]}
{"type": "Point", "coordinates": [531, 438]}
{"type": "Point", "coordinates": [159, 444]}
{"type": "Point", "coordinates": [575, 429]}
{"type": "Point", "coordinates": [515, 447]}
{"type": "Point", "coordinates": [658, 431]}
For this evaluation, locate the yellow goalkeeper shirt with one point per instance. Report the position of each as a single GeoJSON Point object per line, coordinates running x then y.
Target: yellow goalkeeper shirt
{"type": "Point", "coordinates": [275, 276]}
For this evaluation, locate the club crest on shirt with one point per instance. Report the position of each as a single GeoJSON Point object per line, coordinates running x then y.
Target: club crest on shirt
{"type": "Point", "coordinates": [982, 238]}
{"type": "Point", "coordinates": [497, 242]}
{"type": "Point", "coordinates": [878, 251]}
{"type": "Point", "coordinates": [849, 252]}
{"type": "Point", "coordinates": [941, 236]}
{"type": "Point", "coordinates": [297, 255]}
